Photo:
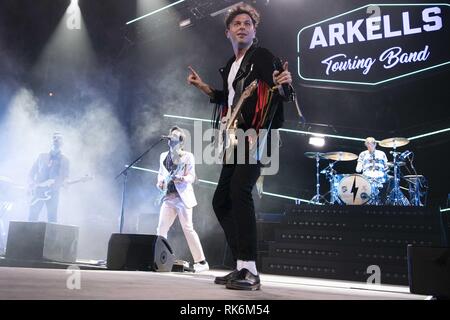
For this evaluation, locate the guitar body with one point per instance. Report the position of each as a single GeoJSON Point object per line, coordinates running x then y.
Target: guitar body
{"type": "Point", "coordinates": [163, 192]}
{"type": "Point", "coordinates": [43, 191]}
{"type": "Point", "coordinates": [226, 140]}
{"type": "Point", "coordinates": [40, 194]}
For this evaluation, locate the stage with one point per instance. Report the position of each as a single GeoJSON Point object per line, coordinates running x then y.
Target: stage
{"type": "Point", "coordinates": [116, 118]}
{"type": "Point", "coordinates": [51, 284]}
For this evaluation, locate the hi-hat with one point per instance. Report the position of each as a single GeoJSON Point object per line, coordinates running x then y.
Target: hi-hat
{"type": "Point", "coordinates": [340, 156]}
{"type": "Point", "coordinates": [394, 142]}
{"type": "Point", "coordinates": [313, 155]}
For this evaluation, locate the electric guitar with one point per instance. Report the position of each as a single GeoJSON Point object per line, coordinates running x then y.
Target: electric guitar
{"type": "Point", "coordinates": [226, 139]}
{"type": "Point", "coordinates": [163, 191]}
{"type": "Point", "coordinates": [43, 191]}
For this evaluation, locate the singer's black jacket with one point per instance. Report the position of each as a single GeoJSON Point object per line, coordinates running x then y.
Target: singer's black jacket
{"type": "Point", "coordinates": [262, 61]}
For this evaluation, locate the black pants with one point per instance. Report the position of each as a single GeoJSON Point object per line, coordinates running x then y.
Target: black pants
{"type": "Point", "coordinates": [234, 208]}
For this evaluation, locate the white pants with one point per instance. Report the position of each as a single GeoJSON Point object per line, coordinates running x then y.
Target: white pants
{"type": "Point", "coordinates": [172, 207]}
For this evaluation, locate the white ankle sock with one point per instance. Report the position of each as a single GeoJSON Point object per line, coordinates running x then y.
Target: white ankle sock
{"type": "Point", "coordinates": [249, 265]}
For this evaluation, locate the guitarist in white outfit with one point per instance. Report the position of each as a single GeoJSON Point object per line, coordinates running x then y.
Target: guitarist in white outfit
{"type": "Point", "coordinates": [47, 176]}
{"type": "Point", "coordinates": [175, 178]}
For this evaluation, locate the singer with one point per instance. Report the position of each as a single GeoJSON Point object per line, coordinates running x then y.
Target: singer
{"type": "Point", "coordinates": [175, 178]}
{"type": "Point", "coordinates": [232, 201]}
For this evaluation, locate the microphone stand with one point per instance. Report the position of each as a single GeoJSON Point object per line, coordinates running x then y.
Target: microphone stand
{"type": "Point", "coordinates": [125, 174]}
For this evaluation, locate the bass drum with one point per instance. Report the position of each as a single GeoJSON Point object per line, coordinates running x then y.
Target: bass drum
{"type": "Point", "coordinates": [354, 189]}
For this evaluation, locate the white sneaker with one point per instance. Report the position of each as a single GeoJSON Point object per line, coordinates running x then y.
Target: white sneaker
{"type": "Point", "coordinates": [198, 267]}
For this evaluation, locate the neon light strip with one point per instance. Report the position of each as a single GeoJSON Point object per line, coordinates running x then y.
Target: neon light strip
{"type": "Point", "coordinates": [315, 133]}
{"type": "Point", "coordinates": [429, 134]}
{"type": "Point", "coordinates": [156, 11]}
{"type": "Point", "coordinates": [185, 118]}
{"type": "Point", "coordinates": [285, 130]}
{"type": "Point", "coordinates": [143, 169]}
{"type": "Point", "coordinates": [322, 134]}
{"type": "Point", "coordinates": [215, 183]}
{"type": "Point", "coordinates": [444, 210]}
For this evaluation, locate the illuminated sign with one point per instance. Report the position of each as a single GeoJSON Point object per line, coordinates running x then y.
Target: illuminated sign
{"type": "Point", "coordinates": [375, 44]}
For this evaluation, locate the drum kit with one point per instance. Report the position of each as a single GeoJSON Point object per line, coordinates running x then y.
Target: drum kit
{"type": "Point", "coordinates": [365, 189]}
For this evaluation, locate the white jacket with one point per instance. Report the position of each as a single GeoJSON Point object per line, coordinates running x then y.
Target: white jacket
{"type": "Point", "coordinates": [184, 188]}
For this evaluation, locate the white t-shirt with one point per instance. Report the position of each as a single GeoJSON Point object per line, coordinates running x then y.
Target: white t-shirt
{"type": "Point", "coordinates": [231, 76]}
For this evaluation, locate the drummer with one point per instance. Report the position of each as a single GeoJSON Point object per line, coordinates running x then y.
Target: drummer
{"type": "Point", "coordinates": [372, 162]}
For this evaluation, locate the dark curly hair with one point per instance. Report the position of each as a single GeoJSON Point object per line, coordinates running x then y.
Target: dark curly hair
{"type": "Point", "coordinates": [242, 9]}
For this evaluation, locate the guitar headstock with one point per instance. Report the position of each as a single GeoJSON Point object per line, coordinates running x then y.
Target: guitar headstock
{"type": "Point", "coordinates": [250, 89]}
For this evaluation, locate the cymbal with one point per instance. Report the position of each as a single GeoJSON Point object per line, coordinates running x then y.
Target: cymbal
{"type": "Point", "coordinates": [313, 155]}
{"type": "Point", "coordinates": [399, 163]}
{"type": "Point", "coordinates": [394, 142]}
{"type": "Point", "coordinates": [340, 156]}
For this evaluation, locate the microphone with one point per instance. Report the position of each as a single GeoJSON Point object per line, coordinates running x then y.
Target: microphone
{"type": "Point", "coordinates": [286, 92]}
{"type": "Point", "coordinates": [279, 67]}
{"type": "Point", "coordinates": [166, 137]}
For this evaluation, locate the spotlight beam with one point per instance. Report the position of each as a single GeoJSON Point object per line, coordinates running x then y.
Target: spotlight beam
{"type": "Point", "coordinates": [155, 11]}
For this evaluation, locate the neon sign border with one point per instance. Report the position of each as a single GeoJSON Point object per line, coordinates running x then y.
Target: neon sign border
{"type": "Point", "coordinates": [366, 83]}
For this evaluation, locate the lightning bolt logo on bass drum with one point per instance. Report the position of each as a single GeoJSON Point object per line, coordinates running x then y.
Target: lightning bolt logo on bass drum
{"type": "Point", "coordinates": [354, 190]}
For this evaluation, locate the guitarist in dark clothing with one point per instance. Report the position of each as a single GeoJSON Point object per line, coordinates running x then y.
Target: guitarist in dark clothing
{"type": "Point", "coordinates": [47, 176]}
{"type": "Point", "coordinates": [233, 202]}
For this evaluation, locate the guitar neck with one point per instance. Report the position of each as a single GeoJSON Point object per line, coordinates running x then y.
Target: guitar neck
{"type": "Point", "coordinates": [236, 111]}
{"type": "Point", "coordinates": [77, 181]}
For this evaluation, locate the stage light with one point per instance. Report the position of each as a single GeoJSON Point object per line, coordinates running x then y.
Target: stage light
{"type": "Point", "coordinates": [155, 11]}
{"type": "Point", "coordinates": [186, 23]}
{"type": "Point", "coordinates": [73, 4]}
{"type": "Point", "coordinates": [225, 9]}
{"type": "Point", "coordinates": [317, 141]}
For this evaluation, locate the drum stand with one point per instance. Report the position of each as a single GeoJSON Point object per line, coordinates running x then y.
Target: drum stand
{"type": "Point", "coordinates": [396, 197]}
{"type": "Point", "coordinates": [317, 198]}
{"type": "Point", "coordinates": [330, 174]}
{"type": "Point", "coordinates": [415, 193]}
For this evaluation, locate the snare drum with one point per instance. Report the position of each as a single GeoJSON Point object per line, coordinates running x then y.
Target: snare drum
{"type": "Point", "coordinates": [355, 189]}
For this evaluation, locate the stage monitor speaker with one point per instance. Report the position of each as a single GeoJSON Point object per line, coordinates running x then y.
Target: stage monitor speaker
{"type": "Point", "coordinates": [429, 271]}
{"type": "Point", "coordinates": [41, 241]}
{"type": "Point", "coordinates": [139, 252]}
